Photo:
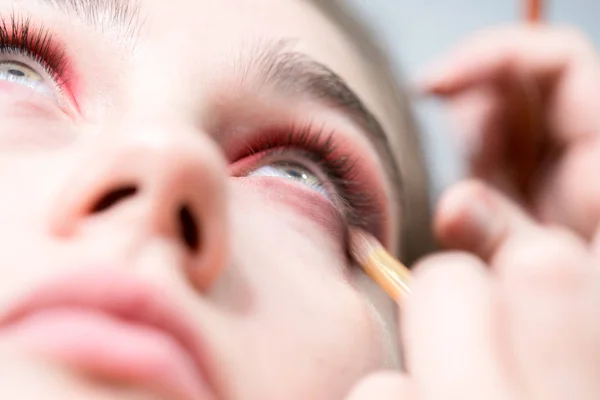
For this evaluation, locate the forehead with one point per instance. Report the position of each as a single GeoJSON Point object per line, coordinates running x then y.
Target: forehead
{"type": "Point", "coordinates": [198, 31]}
{"type": "Point", "coordinates": [199, 36]}
{"type": "Point", "coordinates": [190, 42]}
{"type": "Point", "coordinates": [221, 26]}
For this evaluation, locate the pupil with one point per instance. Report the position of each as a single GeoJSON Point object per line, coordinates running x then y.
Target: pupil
{"type": "Point", "coordinates": [16, 72]}
{"type": "Point", "coordinates": [294, 174]}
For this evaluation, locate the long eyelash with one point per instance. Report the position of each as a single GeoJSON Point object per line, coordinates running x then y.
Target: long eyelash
{"type": "Point", "coordinates": [19, 37]}
{"type": "Point", "coordinates": [319, 146]}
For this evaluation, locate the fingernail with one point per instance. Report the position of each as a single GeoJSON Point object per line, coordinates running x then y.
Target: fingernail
{"type": "Point", "coordinates": [464, 217]}
{"type": "Point", "coordinates": [480, 215]}
{"type": "Point", "coordinates": [486, 223]}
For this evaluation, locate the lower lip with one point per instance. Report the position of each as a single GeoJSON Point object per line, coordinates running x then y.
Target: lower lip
{"type": "Point", "coordinates": [109, 348]}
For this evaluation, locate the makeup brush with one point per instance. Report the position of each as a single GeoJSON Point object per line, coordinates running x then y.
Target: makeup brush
{"type": "Point", "coordinates": [534, 10]}
{"type": "Point", "coordinates": [390, 274]}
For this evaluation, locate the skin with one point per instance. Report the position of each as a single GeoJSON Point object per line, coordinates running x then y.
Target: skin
{"type": "Point", "coordinates": [521, 311]}
{"type": "Point", "coordinates": [271, 280]}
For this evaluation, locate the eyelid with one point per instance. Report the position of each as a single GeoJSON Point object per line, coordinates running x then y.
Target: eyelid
{"type": "Point", "coordinates": [59, 97]}
{"type": "Point", "coordinates": [300, 157]}
{"type": "Point", "coordinates": [37, 47]}
{"type": "Point", "coordinates": [364, 198]}
{"type": "Point", "coordinates": [33, 65]}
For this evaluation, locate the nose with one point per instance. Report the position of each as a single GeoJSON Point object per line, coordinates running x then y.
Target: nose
{"type": "Point", "coordinates": [171, 184]}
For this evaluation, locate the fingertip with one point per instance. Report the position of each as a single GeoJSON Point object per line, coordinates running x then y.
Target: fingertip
{"type": "Point", "coordinates": [464, 219]}
{"type": "Point", "coordinates": [445, 319]}
{"type": "Point", "coordinates": [444, 75]}
{"type": "Point", "coordinates": [454, 72]}
{"type": "Point", "coordinates": [436, 81]}
{"type": "Point", "coordinates": [488, 55]}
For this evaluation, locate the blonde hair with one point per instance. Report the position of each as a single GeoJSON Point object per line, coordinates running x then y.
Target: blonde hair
{"type": "Point", "coordinates": [416, 232]}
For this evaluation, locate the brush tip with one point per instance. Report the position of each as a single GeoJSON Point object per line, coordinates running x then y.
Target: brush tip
{"type": "Point", "coordinates": [362, 245]}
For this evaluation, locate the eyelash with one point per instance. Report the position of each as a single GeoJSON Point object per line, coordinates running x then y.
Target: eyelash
{"type": "Point", "coordinates": [320, 148]}
{"type": "Point", "coordinates": [19, 37]}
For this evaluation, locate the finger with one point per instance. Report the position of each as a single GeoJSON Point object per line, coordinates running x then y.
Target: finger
{"type": "Point", "coordinates": [477, 111]}
{"type": "Point", "coordinates": [551, 293]}
{"type": "Point", "coordinates": [476, 218]}
{"type": "Point", "coordinates": [486, 135]}
{"type": "Point", "coordinates": [384, 386]}
{"type": "Point", "coordinates": [473, 217]}
{"type": "Point", "coordinates": [535, 50]}
{"type": "Point", "coordinates": [450, 331]}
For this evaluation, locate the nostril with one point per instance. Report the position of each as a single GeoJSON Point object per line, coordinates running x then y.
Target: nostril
{"type": "Point", "coordinates": [189, 228]}
{"type": "Point", "coordinates": [113, 197]}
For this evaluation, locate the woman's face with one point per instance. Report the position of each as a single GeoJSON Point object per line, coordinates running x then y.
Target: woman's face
{"type": "Point", "coordinates": [177, 180]}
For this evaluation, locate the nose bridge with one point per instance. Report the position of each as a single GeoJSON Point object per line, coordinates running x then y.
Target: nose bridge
{"type": "Point", "coordinates": [169, 157]}
{"type": "Point", "coordinates": [173, 176]}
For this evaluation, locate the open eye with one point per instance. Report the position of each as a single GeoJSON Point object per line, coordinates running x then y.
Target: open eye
{"type": "Point", "coordinates": [18, 72]}
{"type": "Point", "coordinates": [293, 171]}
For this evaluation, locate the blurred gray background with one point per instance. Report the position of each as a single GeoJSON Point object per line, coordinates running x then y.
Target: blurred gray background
{"type": "Point", "coordinates": [418, 31]}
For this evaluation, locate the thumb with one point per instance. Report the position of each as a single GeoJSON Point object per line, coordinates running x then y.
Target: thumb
{"type": "Point", "coordinates": [384, 386]}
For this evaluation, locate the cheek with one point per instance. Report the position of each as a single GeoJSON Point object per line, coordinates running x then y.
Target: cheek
{"type": "Point", "coordinates": [306, 212]}
{"type": "Point", "coordinates": [281, 235]}
{"type": "Point", "coordinates": [17, 100]}
{"type": "Point", "coordinates": [30, 184]}
{"type": "Point", "coordinates": [21, 184]}
{"type": "Point", "coordinates": [28, 135]}
{"type": "Point", "coordinates": [303, 312]}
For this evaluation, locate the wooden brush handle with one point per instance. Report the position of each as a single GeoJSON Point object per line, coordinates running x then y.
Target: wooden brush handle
{"type": "Point", "coordinates": [534, 10]}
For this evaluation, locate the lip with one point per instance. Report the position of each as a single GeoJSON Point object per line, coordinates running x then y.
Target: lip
{"type": "Point", "coordinates": [90, 320]}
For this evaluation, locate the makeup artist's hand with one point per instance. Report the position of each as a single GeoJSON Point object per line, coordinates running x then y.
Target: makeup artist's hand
{"type": "Point", "coordinates": [527, 102]}
{"type": "Point", "coordinates": [515, 317]}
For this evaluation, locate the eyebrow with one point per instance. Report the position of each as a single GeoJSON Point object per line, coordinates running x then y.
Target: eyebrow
{"type": "Point", "coordinates": [122, 16]}
{"type": "Point", "coordinates": [275, 63]}
{"type": "Point", "coordinates": [295, 73]}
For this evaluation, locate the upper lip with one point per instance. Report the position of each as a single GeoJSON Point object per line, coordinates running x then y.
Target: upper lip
{"type": "Point", "coordinates": [114, 293]}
